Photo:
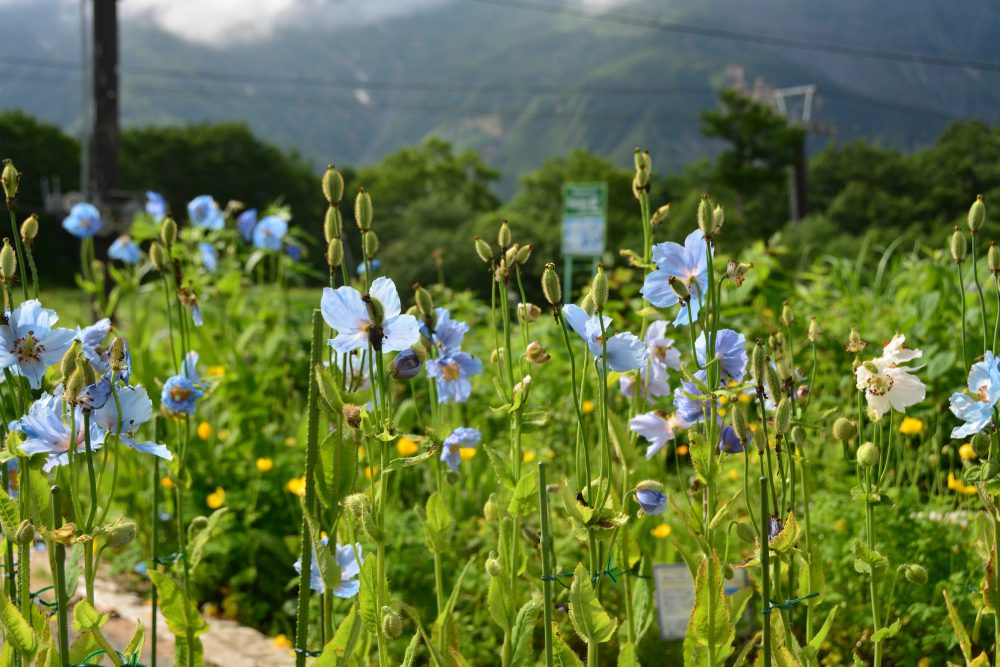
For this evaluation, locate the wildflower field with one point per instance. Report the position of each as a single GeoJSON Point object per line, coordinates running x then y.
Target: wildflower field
{"type": "Point", "coordinates": [375, 473]}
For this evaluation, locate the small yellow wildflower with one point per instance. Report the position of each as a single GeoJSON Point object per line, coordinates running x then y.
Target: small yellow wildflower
{"type": "Point", "coordinates": [966, 452]}
{"type": "Point", "coordinates": [924, 662]}
{"type": "Point", "coordinates": [166, 482]}
{"type": "Point", "coordinates": [291, 441]}
{"type": "Point", "coordinates": [840, 525]}
{"type": "Point", "coordinates": [370, 471]}
{"type": "Point", "coordinates": [466, 453]}
{"type": "Point", "coordinates": [216, 499]}
{"type": "Point", "coordinates": [682, 450]}
{"type": "Point", "coordinates": [662, 531]}
{"type": "Point", "coordinates": [587, 407]}
{"type": "Point", "coordinates": [723, 400]}
{"type": "Point", "coordinates": [733, 475]}
{"type": "Point", "coordinates": [297, 485]}
{"type": "Point", "coordinates": [281, 641]}
{"type": "Point", "coordinates": [745, 398]}
{"type": "Point", "coordinates": [768, 314]}
{"type": "Point", "coordinates": [722, 411]}
{"type": "Point", "coordinates": [264, 464]}
{"type": "Point", "coordinates": [528, 457]}
{"type": "Point", "coordinates": [911, 426]}
{"type": "Point", "coordinates": [407, 447]}
{"type": "Point", "coordinates": [204, 430]}
{"type": "Point", "coordinates": [216, 371]}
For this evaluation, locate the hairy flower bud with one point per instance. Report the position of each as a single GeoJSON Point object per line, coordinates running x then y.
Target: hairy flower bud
{"type": "Point", "coordinates": [704, 217]}
{"type": "Point", "coordinates": [659, 215]}
{"type": "Point", "coordinates": [551, 287]}
{"type": "Point", "coordinates": [11, 179]}
{"type": "Point", "coordinates": [587, 304]}
{"type": "Point", "coordinates": [158, 256]}
{"type": "Point", "coordinates": [977, 214]}
{"type": "Point", "coordinates": [640, 181]}
{"type": "Point", "coordinates": [783, 416]}
{"type": "Point", "coordinates": [369, 244]}
{"type": "Point", "coordinates": [118, 355]}
{"type": "Point", "coordinates": [493, 566]}
{"type": "Point", "coordinates": [335, 253]}
{"type": "Point", "coordinates": [787, 316]}
{"type": "Point", "coordinates": [8, 262]}
{"type": "Point", "coordinates": [798, 436]}
{"type": "Point", "coordinates": [25, 533]}
{"type": "Point", "coordinates": [358, 505]}
{"type": "Point", "coordinates": [959, 246]}
{"type": "Point", "coordinates": [642, 159]}
{"type": "Point", "coordinates": [376, 311]}
{"type": "Point", "coordinates": [503, 236]}
{"type": "Point", "coordinates": [123, 533]}
{"type": "Point", "coordinates": [392, 624]}
{"type": "Point", "coordinates": [352, 415]}
{"type": "Point", "coordinates": [491, 511]}
{"type": "Point", "coordinates": [679, 288]}
{"type": "Point", "coordinates": [168, 231]}
{"type": "Point", "coordinates": [74, 385]}
{"type": "Point", "coordinates": [740, 425]}
{"type": "Point", "coordinates": [599, 288]}
{"type": "Point", "coordinates": [406, 365]}
{"type": "Point", "coordinates": [981, 444]}
{"type": "Point", "coordinates": [718, 218]}
{"type": "Point", "coordinates": [773, 383]}
{"type": "Point", "coordinates": [523, 254]}
{"type": "Point", "coordinates": [29, 229]}
{"type": "Point", "coordinates": [760, 440]}
{"type": "Point", "coordinates": [363, 212]}
{"type": "Point", "coordinates": [855, 343]}
{"type": "Point", "coordinates": [868, 455]}
{"type": "Point", "coordinates": [424, 301]}
{"type": "Point", "coordinates": [510, 256]}
{"type": "Point", "coordinates": [915, 574]}
{"type": "Point", "coordinates": [758, 364]}
{"type": "Point", "coordinates": [333, 185]}
{"type": "Point", "coordinates": [333, 224]}
{"type": "Point", "coordinates": [536, 354]}
{"type": "Point", "coordinates": [483, 249]}
{"type": "Point", "coordinates": [993, 257]}
{"type": "Point", "coordinates": [813, 333]}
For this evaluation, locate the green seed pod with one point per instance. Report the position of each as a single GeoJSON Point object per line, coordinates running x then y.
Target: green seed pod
{"type": "Point", "coordinates": [168, 231]}
{"type": "Point", "coordinates": [491, 511]}
{"type": "Point", "coordinates": [8, 262]}
{"type": "Point", "coordinates": [783, 416]}
{"type": "Point", "coordinates": [704, 217]}
{"type": "Point", "coordinates": [718, 219]}
{"type": "Point", "coordinates": [503, 236]}
{"type": "Point", "coordinates": [760, 439]}
{"type": "Point", "coordinates": [483, 249]}
{"type": "Point", "coordinates": [798, 436]}
{"type": "Point", "coordinates": [844, 429]}
{"type": "Point", "coordinates": [981, 444]}
{"type": "Point", "coordinates": [587, 304]}
{"type": "Point", "coordinates": [423, 299]}
{"type": "Point", "coordinates": [84, 367]}
{"type": "Point", "coordinates": [392, 624]}
{"type": "Point", "coordinates": [536, 354]}
{"type": "Point", "coordinates": [369, 244]}
{"type": "Point", "coordinates": [333, 224]}
{"type": "Point", "coordinates": [993, 257]}
{"type": "Point", "coordinates": [868, 455]}
{"type": "Point", "coordinates": [11, 179]}
{"type": "Point", "coordinates": [740, 423]}
{"type": "Point", "coordinates": [649, 485]}
{"type": "Point", "coordinates": [659, 215]}
{"type": "Point", "coordinates": [376, 311]}
{"type": "Point", "coordinates": [524, 254]}
{"type": "Point", "coordinates": [335, 253]}
{"type": "Point", "coordinates": [74, 386]}
{"type": "Point", "coordinates": [68, 363]}
{"type": "Point", "coordinates": [551, 287]}
{"type": "Point", "coordinates": [746, 533]}
{"type": "Point", "coordinates": [25, 533]}
{"type": "Point", "coordinates": [333, 185]}
{"type": "Point", "coordinates": [124, 533]}
{"type": "Point", "coordinates": [977, 214]}
{"type": "Point", "coordinates": [599, 288]}
{"type": "Point", "coordinates": [510, 256]}
{"type": "Point", "coordinates": [959, 246]}
{"type": "Point", "coordinates": [363, 212]}
{"type": "Point", "coordinates": [855, 343]}
{"type": "Point", "coordinates": [915, 574]}
{"type": "Point", "coordinates": [29, 229]}
{"type": "Point", "coordinates": [787, 316]}
{"type": "Point", "coordinates": [158, 256]}
{"type": "Point", "coordinates": [773, 383]}
{"type": "Point", "coordinates": [758, 364]}
{"type": "Point", "coordinates": [640, 181]}
{"type": "Point", "coordinates": [493, 566]}
{"type": "Point", "coordinates": [813, 334]}
{"type": "Point", "coordinates": [679, 288]}
{"type": "Point", "coordinates": [117, 357]}
{"type": "Point", "coordinates": [358, 505]}
{"type": "Point", "coordinates": [642, 160]}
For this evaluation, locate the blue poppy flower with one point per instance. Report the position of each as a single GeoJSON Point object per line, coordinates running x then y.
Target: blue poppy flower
{"type": "Point", "coordinates": [451, 373]}
{"type": "Point", "coordinates": [730, 443]}
{"type": "Point", "coordinates": [246, 222]}
{"type": "Point", "coordinates": [293, 251]}
{"type": "Point", "coordinates": [125, 250]}
{"type": "Point", "coordinates": [625, 351]}
{"type": "Point", "coordinates": [345, 311]}
{"type": "Point", "coordinates": [45, 432]}
{"type": "Point", "coordinates": [204, 211]}
{"type": "Point", "coordinates": [95, 396]}
{"type": "Point", "coordinates": [156, 205]}
{"type": "Point", "coordinates": [83, 221]}
{"type": "Point", "coordinates": [656, 427]}
{"type": "Point", "coordinates": [730, 350]}
{"type": "Point", "coordinates": [688, 263]}
{"type": "Point", "coordinates": [462, 436]}
{"type": "Point", "coordinates": [448, 333]}
{"type": "Point", "coordinates": [975, 408]}
{"type": "Point", "coordinates": [269, 232]}
{"type": "Point", "coordinates": [208, 257]}
{"type": "Point", "coordinates": [181, 392]}
{"type": "Point", "coordinates": [691, 403]}
{"type": "Point", "coordinates": [136, 410]}
{"type": "Point", "coordinates": [650, 496]}
{"type": "Point", "coordinates": [28, 342]}
{"type": "Point", "coordinates": [347, 563]}
{"type": "Point", "coordinates": [376, 263]}
{"type": "Point", "coordinates": [92, 344]}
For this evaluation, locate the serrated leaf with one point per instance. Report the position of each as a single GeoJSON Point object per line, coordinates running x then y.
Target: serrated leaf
{"type": "Point", "coordinates": [887, 632]}
{"type": "Point", "coordinates": [16, 630]}
{"type": "Point", "coordinates": [438, 522]}
{"type": "Point", "coordinates": [180, 613]}
{"type": "Point", "coordinates": [523, 500]}
{"type": "Point", "coordinates": [956, 624]}
{"type": "Point", "coordinates": [524, 630]}
{"type": "Point", "coordinates": [85, 617]}
{"type": "Point", "coordinates": [368, 595]}
{"type": "Point", "coordinates": [498, 601]}
{"type": "Point", "coordinates": [399, 464]}
{"type": "Point", "coordinates": [411, 652]}
{"type": "Point", "coordinates": [9, 518]}
{"type": "Point", "coordinates": [338, 462]}
{"type": "Point", "coordinates": [500, 467]}
{"type": "Point", "coordinates": [787, 536]}
{"type": "Point", "coordinates": [590, 621]}
{"type": "Point", "coordinates": [562, 654]}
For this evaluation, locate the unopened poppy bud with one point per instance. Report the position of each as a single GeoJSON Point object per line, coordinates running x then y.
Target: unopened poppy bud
{"type": "Point", "coordinates": [642, 160]}
{"type": "Point", "coordinates": [813, 333]}
{"type": "Point", "coordinates": [84, 367]}
{"type": "Point", "coordinates": [659, 215]}
{"type": "Point", "coordinates": [783, 416]}
{"type": "Point", "coordinates": [376, 311]}
{"type": "Point", "coordinates": [68, 363]}
{"type": "Point", "coordinates": [118, 355]}
{"type": "Point", "coordinates": [352, 415]}
{"type": "Point", "coordinates": [8, 261]}
{"type": "Point", "coordinates": [524, 254]}
{"type": "Point", "coordinates": [168, 231]}
{"type": "Point", "coordinates": [491, 511]}
{"type": "Point", "coordinates": [483, 249]}
{"type": "Point", "coordinates": [503, 236]}
{"type": "Point", "coordinates": [740, 423]}
{"type": "Point", "coordinates": [759, 439]}
{"type": "Point", "coordinates": [868, 455]}
{"type": "Point", "coordinates": [370, 244]}
{"type": "Point", "coordinates": [74, 386]}
{"type": "Point", "coordinates": [679, 288]}
{"type": "Point", "coordinates": [510, 256]}
{"type": "Point", "coordinates": [25, 533]}
{"type": "Point", "coordinates": [358, 505]}
{"type": "Point", "coordinates": [11, 180]}
{"type": "Point", "coordinates": [773, 383]}
{"type": "Point", "coordinates": [333, 185]}
{"type": "Point", "coordinates": [333, 224]}
{"type": "Point", "coordinates": [406, 365]}
{"type": "Point", "coordinates": [392, 624]}
{"type": "Point", "coordinates": [915, 574]}
{"type": "Point", "coordinates": [718, 218]}
{"type": "Point", "coordinates": [959, 246]}
{"type": "Point", "coordinates": [335, 253]}
{"type": "Point", "coordinates": [758, 364]}
{"type": "Point", "coordinates": [528, 312]}
{"type": "Point", "coordinates": [124, 533]}
{"type": "Point", "coordinates": [977, 214]}
{"type": "Point", "coordinates": [536, 354]}
{"type": "Point", "coordinates": [599, 288]}
{"type": "Point", "coordinates": [704, 217]}
{"type": "Point", "coordinates": [29, 229]}
{"type": "Point", "coordinates": [363, 212]}
{"type": "Point", "coordinates": [158, 256]}
{"type": "Point", "coordinates": [981, 444]}
{"type": "Point", "coordinates": [493, 566]}
{"type": "Point", "coordinates": [798, 436]}
{"type": "Point", "coordinates": [993, 257]}
{"type": "Point", "coordinates": [641, 179]}
{"type": "Point", "coordinates": [551, 287]}
{"type": "Point", "coordinates": [746, 533]}
{"type": "Point", "coordinates": [423, 299]}
{"type": "Point", "coordinates": [787, 316]}
{"type": "Point", "coordinates": [844, 429]}
{"type": "Point", "coordinates": [587, 304]}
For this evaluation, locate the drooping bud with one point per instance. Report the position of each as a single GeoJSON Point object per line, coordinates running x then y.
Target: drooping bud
{"type": "Point", "coordinates": [536, 354]}
{"type": "Point", "coordinates": [844, 429]}
{"type": "Point", "coordinates": [25, 533]}
{"type": "Point", "coordinates": [333, 224]}
{"type": "Point", "coordinates": [718, 219]}
{"type": "Point", "coordinates": [868, 455]}
{"type": "Point", "coordinates": [704, 217]}
{"type": "Point", "coordinates": [740, 423]}
{"type": "Point", "coordinates": [363, 212]}
{"type": "Point", "coordinates": [787, 316]}
{"type": "Point", "coordinates": [959, 246]}
{"type": "Point", "coordinates": [798, 436]}
{"type": "Point", "coordinates": [483, 249]}
{"type": "Point", "coordinates": [392, 624]}
{"type": "Point", "coordinates": [123, 533]}
{"type": "Point", "coordinates": [424, 301]}
{"type": "Point", "coordinates": [11, 179]}
{"type": "Point", "coordinates": [333, 185]}
{"type": "Point", "coordinates": [352, 415]}
{"type": "Point", "coordinates": [335, 253]}
{"type": "Point", "coordinates": [8, 262]}
{"type": "Point", "coordinates": [680, 288]}
{"type": "Point", "coordinates": [158, 256]}
{"type": "Point", "coordinates": [491, 511]}
{"type": "Point", "coordinates": [29, 229]}
{"type": "Point", "coordinates": [783, 416]}
{"type": "Point", "coordinates": [528, 312]}
{"type": "Point", "coordinates": [855, 343]}
{"type": "Point", "coordinates": [599, 289]}
{"type": "Point", "coordinates": [813, 333]}
{"type": "Point", "coordinates": [758, 364]}
{"type": "Point", "coordinates": [510, 256]}
{"type": "Point", "coordinates": [659, 215]}
{"type": "Point", "coordinates": [493, 566]}
{"type": "Point", "coordinates": [551, 287]}
{"type": "Point", "coordinates": [915, 574]}
{"type": "Point", "coordinates": [369, 244]}
{"type": "Point", "coordinates": [977, 214]}
{"type": "Point", "coordinates": [523, 254]}
{"type": "Point", "coordinates": [406, 365]}
{"type": "Point", "coordinates": [981, 444]}
{"type": "Point", "coordinates": [993, 258]}
{"type": "Point", "coordinates": [503, 236]}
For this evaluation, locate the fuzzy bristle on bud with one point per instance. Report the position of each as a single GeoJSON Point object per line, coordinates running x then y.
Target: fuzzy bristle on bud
{"type": "Point", "coordinates": [679, 288]}
{"type": "Point", "coordinates": [333, 185]}
{"type": "Point", "coordinates": [993, 258]}
{"type": "Point", "coordinates": [523, 254]}
{"type": "Point", "coordinates": [158, 256]}
{"type": "Point", "coordinates": [392, 624]}
{"type": "Point", "coordinates": [363, 212]}
{"type": "Point", "coordinates": [772, 382]}
{"type": "Point", "coordinates": [8, 262]}
{"type": "Point", "coordinates": [813, 333]}
{"type": "Point", "coordinates": [844, 429]}
{"type": "Point", "coordinates": [718, 219]}
{"type": "Point", "coordinates": [369, 244]}
{"type": "Point", "coordinates": [798, 436]}
{"type": "Point", "coordinates": [959, 246]}
{"type": "Point", "coordinates": [758, 362]}
{"type": "Point", "coordinates": [659, 215]}
{"type": "Point", "coordinates": [599, 288]}
{"type": "Point", "coordinates": [787, 316]}
{"type": "Point", "coordinates": [29, 229]}
{"type": "Point", "coordinates": [551, 287]}
{"type": "Point", "coordinates": [424, 301]}
{"type": "Point", "coordinates": [783, 416]}
{"type": "Point", "coordinates": [333, 224]}
{"type": "Point", "coordinates": [335, 253]}
{"type": "Point", "coordinates": [11, 180]}
{"type": "Point", "coordinates": [868, 455]}
{"type": "Point", "coordinates": [977, 214]}
{"type": "Point", "coordinates": [504, 236]}
{"type": "Point", "coordinates": [740, 423]}
{"type": "Point", "coordinates": [483, 249]}
{"type": "Point", "coordinates": [168, 231]}
{"type": "Point", "coordinates": [704, 217]}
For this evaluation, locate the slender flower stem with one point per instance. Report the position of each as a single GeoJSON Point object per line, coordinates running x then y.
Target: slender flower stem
{"type": "Point", "coordinates": [546, 547]}
{"type": "Point", "coordinates": [155, 539]}
{"type": "Point", "coordinates": [765, 587]}
{"type": "Point", "coordinates": [62, 603]}
{"type": "Point", "coordinates": [961, 298]}
{"type": "Point", "coordinates": [979, 289]}
{"type": "Point", "coordinates": [20, 251]}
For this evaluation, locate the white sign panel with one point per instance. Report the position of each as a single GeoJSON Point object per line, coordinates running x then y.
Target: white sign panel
{"type": "Point", "coordinates": [675, 597]}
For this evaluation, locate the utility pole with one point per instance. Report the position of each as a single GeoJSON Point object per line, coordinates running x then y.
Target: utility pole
{"type": "Point", "coordinates": [104, 172]}
{"type": "Point", "coordinates": [798, 190]}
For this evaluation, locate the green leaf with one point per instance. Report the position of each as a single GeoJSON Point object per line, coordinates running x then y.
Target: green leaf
{"type": "Point", "coordinates": [498, 601]}
{"type": "Point", "coordinates": [182, 650]}
{"type": "Point", "coordinates": [399, 464]}
{"type": "Point", "coordinates": [626, 656]}
{"type": "Point", "coordinates": [708, 590]}
{"type": "Point", "coordinates": [343, 642]}
{"type": "Point", "coordinates": [524, 630]}
{"type": "Point", "coordinates": [572, 501]}
{"type": "Point", "coordinates": [960, 633]}
{"type": "Point", "coordinates": [444, 624]}
{"type": "Point", "coordinates": [9, 518]}
{"type": "Point", "coordinates": [524, 499]}
{"type": "Point", "coordinates": [820, 637]}
{"type": "Point", "coordinates": [411, 652]}
{"type": "Point", "coordinates": [438, 523]}
{"type": "Point", "coordinates": [134, 646]}
{"type": "Point", "coordinates": [590, 621]}
{"type": "Point", "coordinates": [787, 536]}
{"type": "Point", "coordinates": [368, 595]}
{"type": "Point", "coordinates": [85, 617]}
{"type": "Point", "coordinates": [180, 613]}
{"type": "Point", "coordinates": [338, 463]}
{"type": "Point", "coordinates": [501, 469]}
{"type": "Point", "coordinates": [562, 654]}
{"type": "Point", "coordinates": [642, 600]}
{"type": "Point", "coordinates": [16, 630]}
{"type": "Point", "coordinates": [887, 632]}
{"type": "Point", "coordinates": [198, 543]}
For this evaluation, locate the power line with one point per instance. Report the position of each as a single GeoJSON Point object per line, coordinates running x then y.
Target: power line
{"type": "Point", "coordinates": [855, 50]}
